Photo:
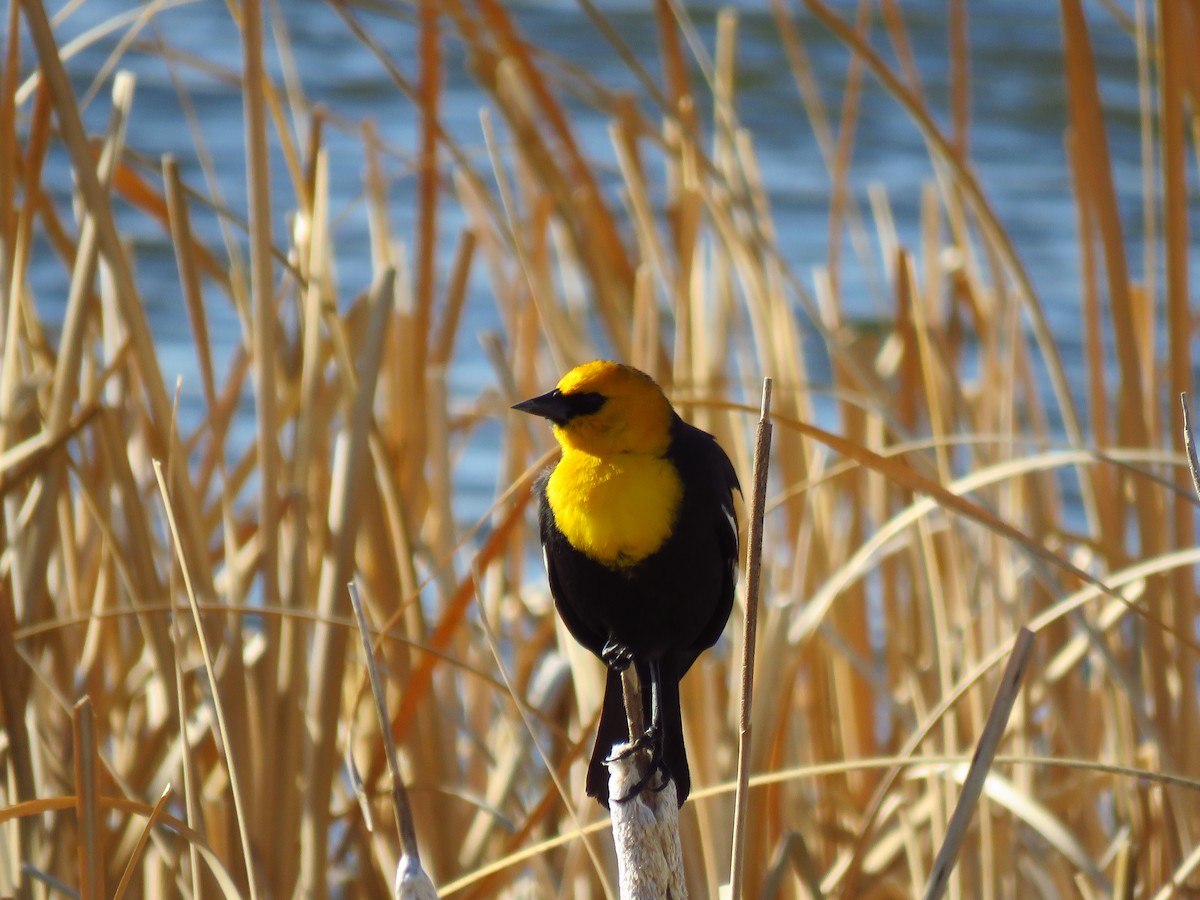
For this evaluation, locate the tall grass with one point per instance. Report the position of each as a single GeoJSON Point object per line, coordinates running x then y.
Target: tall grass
{"type": "Point", "coordinates": [184, 709]}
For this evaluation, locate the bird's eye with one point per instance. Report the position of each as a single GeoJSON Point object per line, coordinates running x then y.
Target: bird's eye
{"type": "Point", "coordinates": [584, 404]}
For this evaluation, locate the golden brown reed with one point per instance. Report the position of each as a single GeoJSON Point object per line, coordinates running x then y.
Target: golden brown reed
{"type": "Point", "coordinates": [180, 693]}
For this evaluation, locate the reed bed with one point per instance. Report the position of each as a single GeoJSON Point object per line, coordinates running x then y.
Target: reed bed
{"type": "Point", "coordinates": [185, 702]}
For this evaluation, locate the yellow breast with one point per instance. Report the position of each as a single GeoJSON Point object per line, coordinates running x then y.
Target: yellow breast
{"type": "Point", "coordinates": [616, 510]}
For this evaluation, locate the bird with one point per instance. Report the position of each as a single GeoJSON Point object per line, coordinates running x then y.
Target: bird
{"type": "Point", "coordinates": [639, 535]}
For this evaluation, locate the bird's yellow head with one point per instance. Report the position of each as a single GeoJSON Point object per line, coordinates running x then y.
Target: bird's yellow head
{"type": "Point", "coordinates": [604, 408]}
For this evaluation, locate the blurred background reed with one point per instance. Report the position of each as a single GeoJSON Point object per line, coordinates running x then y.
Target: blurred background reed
{"type": "Point", "coordinates": [309, 273]}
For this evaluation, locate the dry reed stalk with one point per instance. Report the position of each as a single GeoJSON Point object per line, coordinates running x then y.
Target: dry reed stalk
{"type": "Point", "coordinates": [8, 149]}
{"type": "Point", "coordinates": [87, 812]}
{"type": "Point", "coordinates": [215, 699]}
{"type": "Point", "coordinates": [1173, 34]}
{"type": "Point", "coordinates": [604, 255]}
{"type": "Point", "coordinates": [109, 244]}
{"type": "Point", "coordinates": [194, 815]}
{"type": "Point", "coordinates": [841, 154]}
{"type": "Point", "coordinates": [633, 706]}
{"type": "Point", "coordinates": [754, 540]}
{"type": "Point", "coordinates": [288, 667]}
{"type": "Point", "coordinates": [941, 400]}
{"type": "Point", "coordinates": [981, 762]}
{"type": "Point", "coordinates": [136, 856]}
{"type": "Point", "coordinates": [77, 322]}
{"type": "Point", "coordinates": [411, 879]}
{"type": "Point", "coordinates": [327, 658]}
{"type": "Point", "coordinates": [1138, 421]}
{"type": "Point", "coordinates": [998, 237]}
{"type": "Point", "coordinates": [428, 176]}
{"type": "Point", "coordinates": [263, 318]}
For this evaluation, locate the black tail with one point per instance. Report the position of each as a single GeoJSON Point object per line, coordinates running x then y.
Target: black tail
{"type": "Point", "coordinates": [614, 729]}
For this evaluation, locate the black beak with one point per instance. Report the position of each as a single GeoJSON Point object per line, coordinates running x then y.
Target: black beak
{"type": "Point", "coordinates": [552, 405]}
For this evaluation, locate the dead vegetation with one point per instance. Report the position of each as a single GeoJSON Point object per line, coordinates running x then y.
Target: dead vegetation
{"type": "Point", "coordinates": [181, 685]}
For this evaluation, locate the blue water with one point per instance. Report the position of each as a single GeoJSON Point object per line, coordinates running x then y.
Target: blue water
{"type": "Point", "coordinates": [1017, 138]}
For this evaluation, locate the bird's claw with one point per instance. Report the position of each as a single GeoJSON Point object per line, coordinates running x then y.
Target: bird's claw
{"type": "Point", "coordinates": [659, 768]}
{"type": "Point", "coordinates": [652, 738]}
{"type": "Point", "coordinates": [616, 656]}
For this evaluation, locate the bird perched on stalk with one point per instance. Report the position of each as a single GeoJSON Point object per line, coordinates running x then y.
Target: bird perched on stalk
{"type": "Point", "coordinates": [639, 536]}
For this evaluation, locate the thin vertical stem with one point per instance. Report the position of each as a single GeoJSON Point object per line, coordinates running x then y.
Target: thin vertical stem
{"type": "Point", "coordinates": [758, 504]}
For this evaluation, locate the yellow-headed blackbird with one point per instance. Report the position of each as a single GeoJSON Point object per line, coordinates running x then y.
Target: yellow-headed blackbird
{"type": "Point", "coordinates": [639, 537]}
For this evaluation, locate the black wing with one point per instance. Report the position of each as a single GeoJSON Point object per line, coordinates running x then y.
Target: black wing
{"type": "Point", "coordinates": [707, 469]}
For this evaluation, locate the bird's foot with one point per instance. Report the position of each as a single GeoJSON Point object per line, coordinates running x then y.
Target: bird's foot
{"type": "Point", "coordinates": [616, 656]}
{"type": "Point", "coordinates": [651, 740]}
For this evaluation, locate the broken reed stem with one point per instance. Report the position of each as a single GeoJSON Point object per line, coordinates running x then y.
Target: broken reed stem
{"type": "Point", "coordinates": [1189, 444]}
{"type": "Point", "coordinates": [411, 878]}
{"type": "Point", "coordinates": [91, 855]}
{"type": "Point", "coordinates": [646, 837]}
{"type": "Point", "coordinates": [131, 867]}
{"type": "Point", "coordinates": [401, 808]}
{"type": "Point", "coordinates": [758, 505]}
{"type": "Point", "coordinates": [218, 708]}
{"type": "Point", "coordinates": [645, 826]}
{"type": "Point", "coordinates": [985, 751]}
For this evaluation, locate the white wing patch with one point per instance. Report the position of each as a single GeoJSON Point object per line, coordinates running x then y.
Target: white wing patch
{"type": "Point", "coordinates": [731, 520]}
{"type": "Point", "coordinates": [545, 560]}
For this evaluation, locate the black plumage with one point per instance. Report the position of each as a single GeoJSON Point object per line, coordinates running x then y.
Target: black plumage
{"type": "Point", "coordinates": [660, 612]}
